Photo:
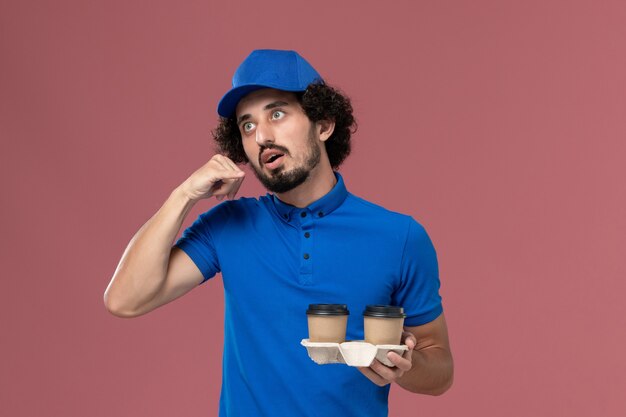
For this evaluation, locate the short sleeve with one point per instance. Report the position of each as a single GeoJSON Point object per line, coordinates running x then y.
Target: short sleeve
{"type": "Point", "coordinates": [197, 242]}
{"type": "Point", "coordinates": [418, 291]}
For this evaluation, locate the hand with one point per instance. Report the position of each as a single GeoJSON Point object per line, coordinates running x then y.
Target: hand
{"type": "Point", "coordinates": [382, 375]}
{"type": "Point", "coordinates": [219, 177]}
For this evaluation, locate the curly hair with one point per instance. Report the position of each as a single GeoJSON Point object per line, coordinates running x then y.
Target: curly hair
{"type": "Point", "coordinates": [319, 102]}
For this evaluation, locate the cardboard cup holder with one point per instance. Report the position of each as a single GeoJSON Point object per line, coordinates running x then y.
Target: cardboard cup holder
{"type": "Point", "coordinates": [353, 353]}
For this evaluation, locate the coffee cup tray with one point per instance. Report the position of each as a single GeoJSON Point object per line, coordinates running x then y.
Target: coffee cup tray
{"type": "Point", "coordinates": [352, 353]}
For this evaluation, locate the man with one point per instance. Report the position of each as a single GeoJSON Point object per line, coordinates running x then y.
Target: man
{"type": "Point", "coordinates": [308, 242]}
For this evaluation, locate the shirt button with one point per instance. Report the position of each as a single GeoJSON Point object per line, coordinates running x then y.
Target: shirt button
{"type": "Point", "coordinates": [321, 214]}
{"type": "Point", "coordinates": [307, 235]}
{"type": "Point", "coordinates": [306, 256]}
{"type": "Point", "coordinates": [303, 214]}
{"type": "Point", "coordinates": [285, 216]}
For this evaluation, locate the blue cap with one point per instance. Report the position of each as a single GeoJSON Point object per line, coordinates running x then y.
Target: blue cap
{"type": "Point", "coordinates": [268, 68]}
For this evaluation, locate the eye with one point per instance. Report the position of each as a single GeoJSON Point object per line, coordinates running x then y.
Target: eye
{"type": "Point", "coordinates": [247, 126]}
{"type": "Point", "coordinates": [277, 115]}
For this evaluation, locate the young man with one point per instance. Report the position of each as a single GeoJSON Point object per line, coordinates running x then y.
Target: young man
{"type": "Point", "coordinates": [310, 241]}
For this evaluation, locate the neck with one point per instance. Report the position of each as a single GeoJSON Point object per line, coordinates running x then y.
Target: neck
{"type": "Point", "coordinates": [320, 182]}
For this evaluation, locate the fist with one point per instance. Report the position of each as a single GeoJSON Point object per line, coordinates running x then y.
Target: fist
{"type": "Point", "coordinates": [219, 177]}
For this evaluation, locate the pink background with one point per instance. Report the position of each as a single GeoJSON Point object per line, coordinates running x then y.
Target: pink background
{"type": "Point", "coordinates": [498, 125]}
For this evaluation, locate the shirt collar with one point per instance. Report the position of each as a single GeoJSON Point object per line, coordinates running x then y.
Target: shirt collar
{"type": "Point", "coordinates": [319, 208]}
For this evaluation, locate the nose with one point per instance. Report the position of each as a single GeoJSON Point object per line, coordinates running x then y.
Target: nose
{"type": "Point", "coordinates": [264, 134]}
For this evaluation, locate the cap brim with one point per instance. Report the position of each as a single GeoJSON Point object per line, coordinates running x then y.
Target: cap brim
{"type": "Point", "coordinates": [227, 105]}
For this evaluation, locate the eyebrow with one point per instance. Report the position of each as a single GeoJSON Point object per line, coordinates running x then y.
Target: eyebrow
{"type": "Point", "coordinates": [272, 105]}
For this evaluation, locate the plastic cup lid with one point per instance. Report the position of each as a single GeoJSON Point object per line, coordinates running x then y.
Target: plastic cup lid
{"type": "Point", "coordinates": [384, 311]}
{"type": "Point", "coordinates": [328, 310]}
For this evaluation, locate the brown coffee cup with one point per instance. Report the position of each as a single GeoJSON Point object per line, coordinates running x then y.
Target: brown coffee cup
{"type": "Point", "coordinates": [327, 322]}
{"type": "Point", "coordinates": [383, 324]}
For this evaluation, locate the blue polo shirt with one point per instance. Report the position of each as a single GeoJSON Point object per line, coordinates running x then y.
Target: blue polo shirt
{"type": "Point", "coordinates": [275, 260]}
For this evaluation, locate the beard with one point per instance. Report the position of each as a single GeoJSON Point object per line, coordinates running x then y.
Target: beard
{"type": "Point", "coordinates": [281, 181]}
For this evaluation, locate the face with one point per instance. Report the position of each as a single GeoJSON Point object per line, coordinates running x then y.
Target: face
{"type": "Point", "coordinates": [281, 143]}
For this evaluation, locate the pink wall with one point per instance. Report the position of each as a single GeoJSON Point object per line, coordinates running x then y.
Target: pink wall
{"type": "Point", "coordinates": [498, 125]}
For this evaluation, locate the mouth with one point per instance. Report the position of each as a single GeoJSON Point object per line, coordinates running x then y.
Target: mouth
{"type": "Point", "coordinates": [271, 159]}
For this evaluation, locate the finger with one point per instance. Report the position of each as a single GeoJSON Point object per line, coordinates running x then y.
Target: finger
{"type": "Point", "coordinates": [232, 189]}
{"type": "Point", "coordinates": [229, 162]}
{"type": "Point", "coordinates": [227, 176]}
{"type": "Point", "coordinates": [409, 339]}
{"type": "Point", "coordinates": [224, 182]}
{"type": "Point", "coordinates": [226, 163]}
{"type": "Point", "coordinates": [220, 168]}
{"type": "Point", "coordinates": [387, 373]}
{"type": "Point", "coordinates": [228, 189]}
{"type": "Point", "coordinates": [219, 160]}
{"type": "Point", "coordinates": [402, 363]}
{"type": "Point", "coordinates": [373, 376]}
{"type": "Point", "coordinates": [235, 189]}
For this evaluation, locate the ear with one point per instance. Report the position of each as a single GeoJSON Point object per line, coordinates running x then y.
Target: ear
{"type": "Point", "coordinates": [325, 129]}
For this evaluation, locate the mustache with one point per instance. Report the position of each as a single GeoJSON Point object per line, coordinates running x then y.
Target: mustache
{"type": "Point", "coordinates": [271, 146]}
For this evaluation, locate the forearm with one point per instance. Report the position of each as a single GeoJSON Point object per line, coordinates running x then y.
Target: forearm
{"type": "Point", "coordinates": [432, 372]}
{"type": "Point", "coordinates": [142, 269]}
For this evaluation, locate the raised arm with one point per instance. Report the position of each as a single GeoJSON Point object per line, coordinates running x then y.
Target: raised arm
{"type": "Point", "coordinates": [151, 272]}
